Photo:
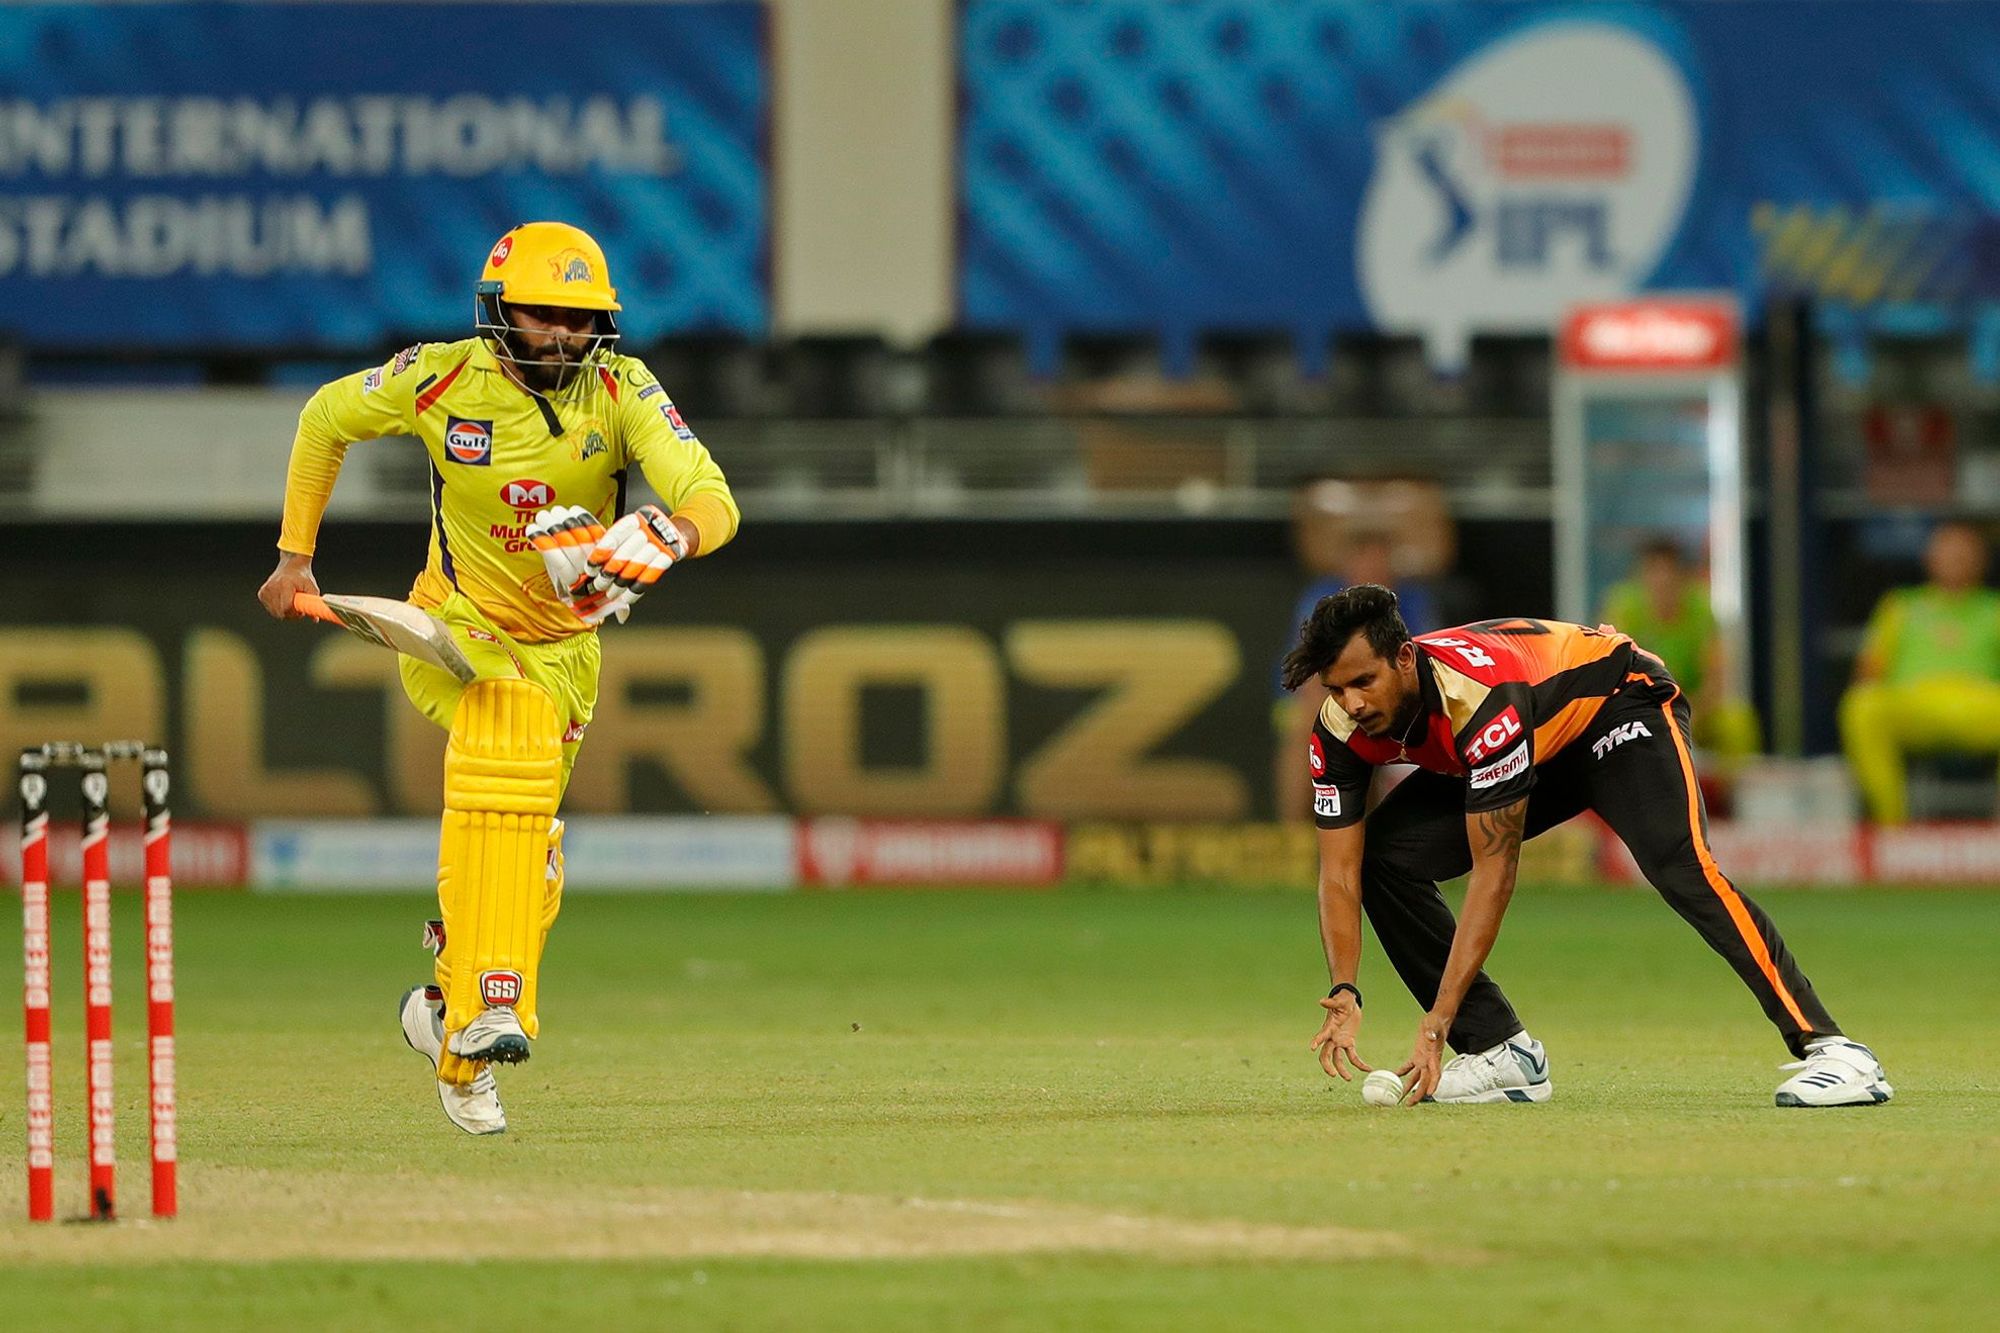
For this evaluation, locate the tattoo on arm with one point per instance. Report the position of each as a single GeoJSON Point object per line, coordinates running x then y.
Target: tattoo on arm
{"type": "Point", "coordinates": [1498, 832]}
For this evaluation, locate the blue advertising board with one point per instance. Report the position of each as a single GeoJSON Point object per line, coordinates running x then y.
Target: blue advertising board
{"type": "Point", "coordinates": [1437, 168]}
{"type": "Point", "coordinates": [255, 175]}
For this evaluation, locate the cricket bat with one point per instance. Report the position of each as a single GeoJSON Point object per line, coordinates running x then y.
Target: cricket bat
{"type": "Point", "coordinates": [397, 626]}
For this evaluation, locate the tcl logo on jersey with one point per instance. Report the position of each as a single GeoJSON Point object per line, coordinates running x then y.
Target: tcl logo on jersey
{"type": "Point", "coordinates": [1316, 757]}
{"type": "Point", "coordinates": [527, 494]}
{"type": "Point", "coordinates": [1617, 736]}
{"type": "Point", "coordinates": [1494, 734]}
{"type": "Point", "coordinates": [1512, 765]}
{"type": "Point", "coordinates": [501, 250]}
{"type": "Point", "coordinates": [468, 442]}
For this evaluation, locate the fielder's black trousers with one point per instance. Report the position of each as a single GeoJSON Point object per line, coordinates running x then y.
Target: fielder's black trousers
{"type": "Point", "coordinates": [1640, 780]}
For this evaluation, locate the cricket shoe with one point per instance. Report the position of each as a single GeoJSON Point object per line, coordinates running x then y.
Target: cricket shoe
{"type": "Point", "coordinates": [1517, 1070]}
{"type": "Point", "coordinates": [495, 1035]}
{"type": "Point", "coordinates": [1836, 1072]}
{"type": "Point", "coordinates": [474, 1108]}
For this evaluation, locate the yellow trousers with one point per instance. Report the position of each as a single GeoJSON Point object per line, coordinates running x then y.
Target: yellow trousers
{"type": "Point", "coordinates": [1729, 731]}
{"type": "Point", "coordinates": [1881, 723]}
{"type": "Point", "coordinates": [567, 669]}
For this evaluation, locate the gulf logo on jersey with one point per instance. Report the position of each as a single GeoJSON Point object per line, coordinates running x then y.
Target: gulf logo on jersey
{"type": "Point", "coordinates": [468, 442]}
{"type": "Point", "coordinates": [527, 493]}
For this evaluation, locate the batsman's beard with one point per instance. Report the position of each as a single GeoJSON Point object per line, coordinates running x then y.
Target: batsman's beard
{"type": "Point", "coordinates": [550, 368]}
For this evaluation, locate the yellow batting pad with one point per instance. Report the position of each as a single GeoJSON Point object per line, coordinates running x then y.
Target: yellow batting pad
{"type": "Point", "coordinates": [502, 779]}
{"type": "Point", "coordinates": [552, 889]}
{"type": "Point", "coordinates": [455, 1071]}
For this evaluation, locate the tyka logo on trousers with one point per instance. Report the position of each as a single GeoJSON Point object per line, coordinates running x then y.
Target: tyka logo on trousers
{"type": "Point", "coordinates": [1617, 736]}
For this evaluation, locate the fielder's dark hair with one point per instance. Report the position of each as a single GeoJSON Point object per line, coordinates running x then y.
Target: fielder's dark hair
{"type": "Point", "coordinates": [1663, 547]}
{"type": "Point", "coordinates": [1365, 608]}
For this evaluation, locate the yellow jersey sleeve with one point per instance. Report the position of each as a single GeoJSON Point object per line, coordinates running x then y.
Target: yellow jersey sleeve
{"type": "Point", "coordinates": [675, 462]}
{"type": "Point", "coordinates": [1883, 635]}
{"type": "Point", "coordinates": [363, 406]}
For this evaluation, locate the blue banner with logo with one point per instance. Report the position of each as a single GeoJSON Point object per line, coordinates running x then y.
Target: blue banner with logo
{"type": "Point", "coordinates": [257, 175]}
{"type": "Point", "coordinates": [1450, 168]}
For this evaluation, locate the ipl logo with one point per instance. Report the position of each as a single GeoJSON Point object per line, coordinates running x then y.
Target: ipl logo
{"type": "Point", "coordinates": [1551, 168]}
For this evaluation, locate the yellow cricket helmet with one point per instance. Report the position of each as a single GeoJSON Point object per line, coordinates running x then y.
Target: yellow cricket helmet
{"type": "Point", "coordinates": [545, 264]}
{"type": "Point", "coordinates": [549, 263]}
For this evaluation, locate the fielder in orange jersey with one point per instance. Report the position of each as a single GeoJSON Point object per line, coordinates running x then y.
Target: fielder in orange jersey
{"type": "Point", "coordinates": [1513, 727]}
{"type": "Point", "coordinates": [532, 427]}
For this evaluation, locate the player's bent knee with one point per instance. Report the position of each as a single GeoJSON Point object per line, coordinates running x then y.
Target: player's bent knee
{"type": "Point", "coordinates": [505, 752]}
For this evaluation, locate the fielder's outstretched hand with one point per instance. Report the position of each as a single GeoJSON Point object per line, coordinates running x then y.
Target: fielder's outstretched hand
{"type": "Point", "coordinates": [626, 562]}
{"type": "Point", "coordinates": [1420, 1072]}
{"type": "Point", "coordinates": [1335, 1042]}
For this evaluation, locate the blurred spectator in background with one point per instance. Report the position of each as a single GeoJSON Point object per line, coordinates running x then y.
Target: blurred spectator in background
{"type": "Point", "coordinates": [1343, 533]}
{"type": "Point", "coordinates": [1928, 678]}
{"type": "Point", "coordinates": [1664, 605]}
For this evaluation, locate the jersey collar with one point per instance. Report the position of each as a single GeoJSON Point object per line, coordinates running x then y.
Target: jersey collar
{"type": "Point", "coordinates": [483, 358]}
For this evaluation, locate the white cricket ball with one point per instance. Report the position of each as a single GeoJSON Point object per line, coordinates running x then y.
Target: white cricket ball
{"type": "Point", "coordinates": [1382, 1088]}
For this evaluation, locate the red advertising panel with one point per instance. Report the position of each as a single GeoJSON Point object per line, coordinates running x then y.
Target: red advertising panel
{"type": "Point", "coordinates": [835, 853]}
{"type": "Point", "coordinates": [207, 856]}
{"type": "Point", "coordinates": [1679, 334]}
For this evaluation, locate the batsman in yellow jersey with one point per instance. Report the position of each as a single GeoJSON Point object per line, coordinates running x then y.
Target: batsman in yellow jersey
{"type": "Point", "coordinates": [531, 427]}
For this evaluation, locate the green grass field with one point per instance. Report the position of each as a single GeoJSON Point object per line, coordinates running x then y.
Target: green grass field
{"type": "Point", "coordinates": [1007, 1111]}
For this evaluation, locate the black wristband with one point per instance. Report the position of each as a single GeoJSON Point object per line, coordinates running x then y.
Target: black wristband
{"type": "Point", "coordinates": [1349, 987]}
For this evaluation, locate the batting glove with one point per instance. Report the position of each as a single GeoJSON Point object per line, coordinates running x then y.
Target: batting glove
{"type": "Point", "coordinates": [627, 561]}
{"type": "Point", "coordinates": [564, 536]}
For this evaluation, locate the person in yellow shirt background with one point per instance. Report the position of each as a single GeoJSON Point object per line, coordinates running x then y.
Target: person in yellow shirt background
{"type": "Point", "coordinates": [1664, 605]}
{"type": "Point", "coordinates": [531, 427]}
{"type": "Point", "coordinates": [1928, 677]}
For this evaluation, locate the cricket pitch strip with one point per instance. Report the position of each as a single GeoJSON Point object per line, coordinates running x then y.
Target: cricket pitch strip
{"type": "Point", "coordinates": [234, 1214]}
